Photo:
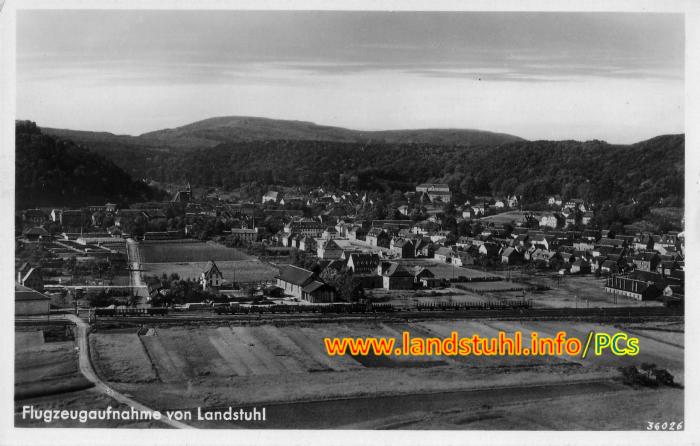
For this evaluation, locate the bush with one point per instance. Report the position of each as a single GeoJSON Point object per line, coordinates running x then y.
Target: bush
{"type": "Point", "coordinates": [649, 376]}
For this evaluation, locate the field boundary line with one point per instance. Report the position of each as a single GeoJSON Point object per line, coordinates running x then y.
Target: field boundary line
{"type": "Point", "coordinates": [87, 369]}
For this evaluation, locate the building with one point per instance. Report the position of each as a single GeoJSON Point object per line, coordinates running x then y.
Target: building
{"type": "Point", "coordinates": [182, 196]}
{"type": "Point", "coordinates": [554, 200]}
{"type": "Point", "coordinates": [35, 234]}
{"type": "Point", "coordinates": [306, 228]}
{"type": "Point", "coordinates": [318, 292]}
{"type": "Point", "coordinates": [307, 244]}
{"type": "Point", "coordinates": [303, 284]}
{"type": "Point", "coordinates": [463, 258]}
{"type": "Point", "coordinates": [329, 250]}
{"type": "Point", "coordinates": [468, 213]}
{"type": "Point", "coordinates": [443, 254]}
{"type": "Point", "coordinates": [402, 248]}
{"type": "Point", "coordinates": [211, 278]}
{"type": "Point", "coordinates": [646, 261]}
{"type": "Point", "coordinates": [293, 279]}
{"type": "Point", "coordinates": [609, 267]}
{"type": "Point", "coordinates": [270, 197]}
{"type": "Point", "coordinates": [377, 237]}
{"type": "Point", "coordinates": [435, 191]}
{"type": "Point", "coordinates": [548, 220]}
{"type": "Point", "coordinates": [511, 256]}
{"type": "Point", "coordinates": [438, 196]}
{"type": "Point", "coordinates": [29, 302]}
{"type": "Point", "coordinates": [356, 233]}
{"type": "Point", "coordinates": [424, 277]}
{"type": "Point", "coordinates": [330, 233]}
{"type": "Point", "coordinates": [363, 263]}
{"type": "Point", "coordinates": [580, 266]}
{"type": "Point", "coordinates": [245, 235]}
{"type": "Point", "coordinates": [543, 256]}
{"type": "Point", "coordinates": [34, 217]}
{"type": "Point", "coordinates": [30, 277]}
{"type": "Point", "coordinates": [433, 187]}
{"type": "Point", "coordinates": [637, 289]}
{"type": "Point", "coordinates": [396, 277]}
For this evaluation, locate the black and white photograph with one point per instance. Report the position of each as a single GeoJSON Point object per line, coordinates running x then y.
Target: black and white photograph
{"type": "Point", "coordinates": [450, 222]}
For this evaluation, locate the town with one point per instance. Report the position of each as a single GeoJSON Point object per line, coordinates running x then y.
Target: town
{"type": "Point", "coordinates": [289, 219]}
{"type": "Point", "coordinates": [321, 246]}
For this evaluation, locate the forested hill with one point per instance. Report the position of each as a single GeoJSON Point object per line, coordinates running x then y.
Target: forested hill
{"type": "Point", "coordinates": [51, 171]}
{"type": "Point", "coordinates": [648, 172]}
{"type": "Point", "coordinates": [135, 153]}
{"type": "Point", "coordinates": [247, 128]}
{"type": "Point", "coordinates": [637, 176]}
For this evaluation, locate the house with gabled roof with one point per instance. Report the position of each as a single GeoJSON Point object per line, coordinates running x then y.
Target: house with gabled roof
{"type": "Point", "coordinates": [443, 254]}
{"type": "Point", "coordinates": [464, 258]}
{"type": "Point", "coordinates": [511, 256]}
{"type": "Point", "coordinates": [30, 277]}
{"type": "Point", "coordinates": [292, 279]}
{"type": "Point", "coordinates": [29, 302]}
{"type": "Point", "coordinates": [646, 261]}
{"type": "Point", "coordinates": [489, 249]}
{"type": "Point", "coordinates": [329, 249]}
{"type": "Point", "coordinates": [307, 244]}
{"type": "Point", "coordinates": [610, 266]}
{"type": "Point", "coordinates": [402, 248]}
{"type": "Point", "coordinates": [211, 278]}
{"type": "Point", "coordinates": [580, 266]}
{"type": "Point", "coordinates": [361, 263]}
{"type": "Point", "coordinates": [377, 237]}
{"type": "Point", "coordinates": [396, 277]}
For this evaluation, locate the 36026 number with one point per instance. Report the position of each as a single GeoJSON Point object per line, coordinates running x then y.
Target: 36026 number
{"type": "Point", "coordinates": [664, 426]}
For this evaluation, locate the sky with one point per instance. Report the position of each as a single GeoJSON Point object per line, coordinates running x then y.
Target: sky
{"type": "Point", "coordinates": [617, 77]}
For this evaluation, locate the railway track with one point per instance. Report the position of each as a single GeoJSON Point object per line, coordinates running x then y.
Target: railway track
{"type": "Point", "coordinates": [602, 314]}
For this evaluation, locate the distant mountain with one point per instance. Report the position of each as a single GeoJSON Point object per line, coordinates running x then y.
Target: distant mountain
{"type": "Point", "coordinates": [53, 171]}
{"type": "Point", "coordinates": [145, 155]}
{"type": "Point", "coordinates": [213, 131]}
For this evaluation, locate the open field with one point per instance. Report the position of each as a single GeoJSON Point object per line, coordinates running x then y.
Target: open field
{"type": "Point", "coordinates": [123, 355]}
{"type": "Point", "coordinates": [447, 271]}
{"type": "Point", "coordinates": [45, 367]}
{"type": "Point", "coordinates": [589, 408]}
{"type": "Point", "coordinates": [47, 377]}
{"type": "Point", "coordinates": [287, 366]}
{"type": "Point", "coordinates": [164, 252]}
{"type": "Point", "coordinates": [233, 271]}
{"type": "Point", "coordinates": [507, 217]}
{"type": "Point", "coordinates": [493, 287]}
{"type": "Point", "coordinates": [581, 291]}
{"type": "Point", "coordinates": [411, 298]}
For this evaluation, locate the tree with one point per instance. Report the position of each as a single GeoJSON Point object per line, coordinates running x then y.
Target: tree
{"type": "Point", "coordinates": [101, 299]}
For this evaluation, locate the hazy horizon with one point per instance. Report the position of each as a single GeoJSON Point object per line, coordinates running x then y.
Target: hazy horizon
{"type": "Point", "coordinates": [617, 77]}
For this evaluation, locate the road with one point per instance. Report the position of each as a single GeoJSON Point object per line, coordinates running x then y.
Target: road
{"type": "Point", "coordinates": [132, 251]}
{"type": "Point", "coordinates": [87, 370]}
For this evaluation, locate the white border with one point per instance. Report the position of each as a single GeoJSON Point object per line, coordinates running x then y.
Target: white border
{"type": "Point", "coordinates": [10, 435]}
